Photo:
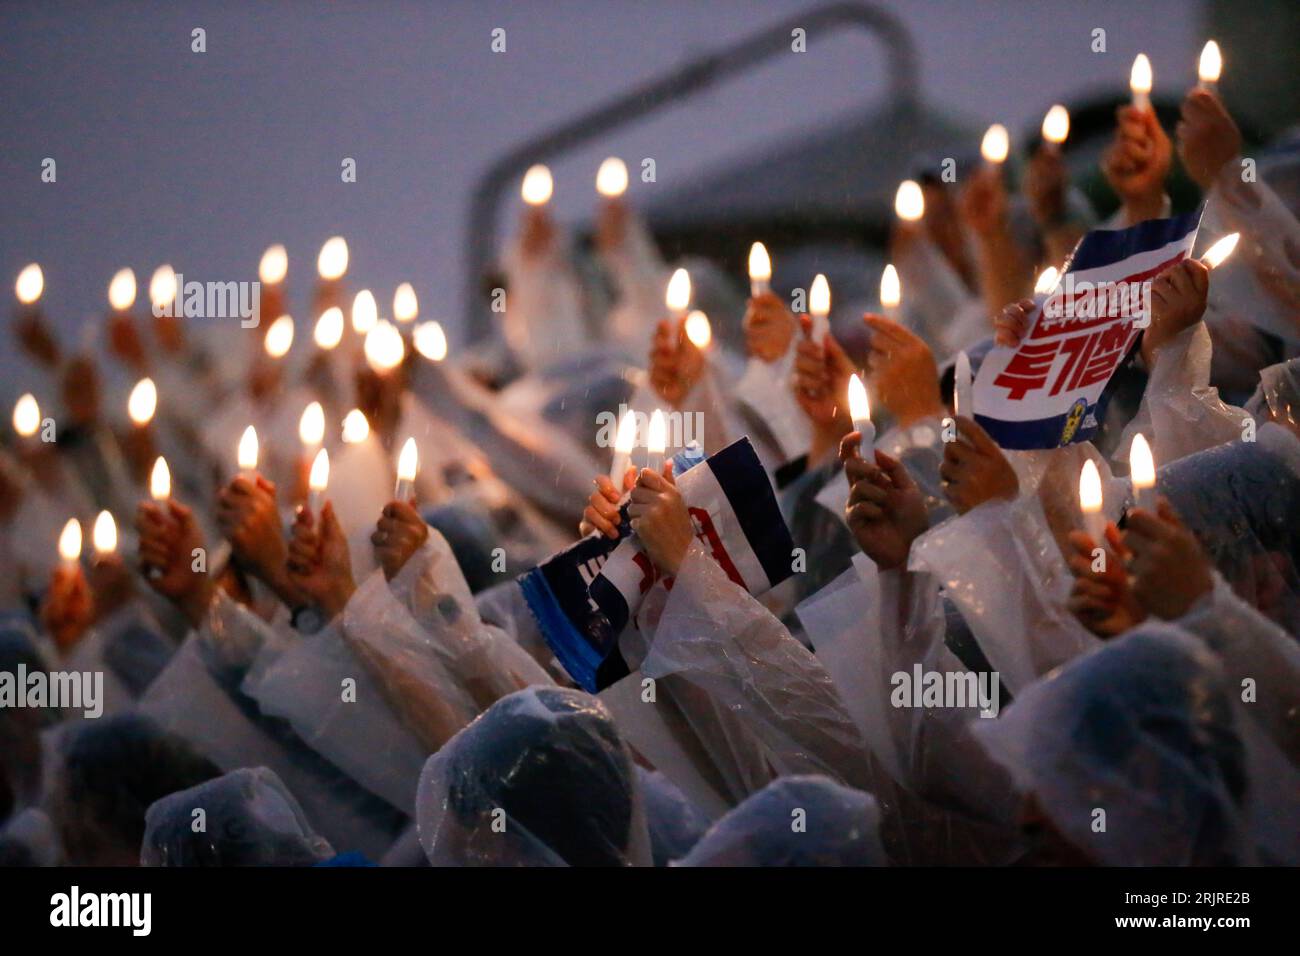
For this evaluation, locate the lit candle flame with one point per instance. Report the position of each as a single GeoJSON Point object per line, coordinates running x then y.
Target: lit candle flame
{"type": "Point", "coordinates": [247, 452]}
{"type": "Point", "coordinates": [1047, 280]}
{"type": "Point", "coordinates": [996, 144]}
{"type": "Point", "coordinates": [329, 328]}
{"type": "Point", "coordinates": [431, 341]}
{"type": "Point", "coordinates": [859, 403]}
{"type": "Point", "coordinates": [909, 201]}
{"type": "Point", "coordinates": [104, 534]}
{"type": "Point", "coordinates": [30, 284]}
{"type": "Point", "coordinates": [162, 286]}
{"type": "Point", "coordinates": [611, 178]}
{"type": "Point", "coordinates": [384, 347]}
{"type": "Point", "coordinates": [1211, 63]}
{"type": "Point", "coordinates": [657, 434]}
{"type": "Point", "coordinates": [121, 290]}
{"type": "Point", "coordinates": [891, 289]}
{"type": "Point", "coordinates": [406, 307]}
{"type": "Point", "coordinates": [698, 329]}
{"type": "Point", "coordinates": [537, 186]}
{"type": "Point", "coordinates": [319, 478]}
{"type": "Point", "coordinates": [365, 313]}
{"type": "Point", "coordinates": [819, 297]}
{"type": "Point", "coordinates": [760, 263]}
{"type": "Point", "coordinates": [1090, 488]}
{"type": "Point", "coordinates": [1056, 125]}
{"type": "Point", "coordinates": [142, 402]}
{"type": "Point", "coordinates": [311, 426]}
{"type": "Point", "coordinates": [160, 480]}
{"type": "Point", "coordinates": [625, 439]}
{"type": "Point", "coordinates": [356, 428]}
{"type": "Point", "coordinates": [279, 337]}
{"type": "Point", "coordinates": [1215, 255]}
{"type": "Point", "coordinates": [1142, 466]}
{"type": "Point", "coordinates": [274, 265]}
{"type": "Point", "coordinates": [27, 415]}
{"type": "Point", "coordinates": [332, 262]}
{"type": "Point", "coordinates": [1140, 81]}
{"type": "Point", "coordinates": [678, 296]}
{"type": "Point", "coordinates": [408, 462]}
{"type": "Point", "coordinates": [70, 541]}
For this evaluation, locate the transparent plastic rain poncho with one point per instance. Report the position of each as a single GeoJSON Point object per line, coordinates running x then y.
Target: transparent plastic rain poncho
{"type": "Point", "coordinates": [795, 821]}
{"type": "Point", "coordinates": [544, 317]}
{"type": "Point", "coordinates": [1148, 729]}
{"type": "Point", "coordinates": [641, 276]}
{"type": "Point", "coordinates": [128, 648]}
{"type": "Point", "coordinates": [1277, 397]}
{"type": "Point", "coordinates": [542, 778]}
{"type": "Point", "coordinates": [1242, 501]}
{"type": "Point", "coordinates": [675, 824]}
{"type": "Point", "coordinates": [200, 696]}
{"type": "Point", "coordinates": [248, 818]}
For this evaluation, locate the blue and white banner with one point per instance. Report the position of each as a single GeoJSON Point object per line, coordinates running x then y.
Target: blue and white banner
{"type": "Point", "coordinates": [1049, 390]}
{"type": "Point", "coordinates": [587, 594]}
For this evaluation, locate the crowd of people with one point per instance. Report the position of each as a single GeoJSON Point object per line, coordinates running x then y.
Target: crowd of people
{"type": "Point", "coordinates": [300, 665]}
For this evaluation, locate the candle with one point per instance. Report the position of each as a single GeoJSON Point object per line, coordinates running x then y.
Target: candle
{"type": "Point", "coordinates": [1140, 80]}
{"type": "Point", "coordinates": [678, 296]}
{"type": "Point", "coordinates": [279, 337]}
{"type": "Point", "coordinates": [656, 441]}
{"type": "Point", "coordinates": [318, 480]}
{"type": "Point", "coordinates": [963, 400]}
{"type": "Point", "coordinates": [27, 416]}
{"type": "Point", "coordinates": [406, 306]}
{"type": "Point", "coordinates": [121, 290]}
{"type": "Point", "coordinates": [819, 306]}
{"type": "Point", "coordinates": [142, 402]}
{"type": "Point", "coordinates": [274, 265]}
{"type": "Point", "coordinates": [760, 270]}
{"type": "Point", "coordinates": [104, 534]}
{"type": "Point", "coordinates": [1090, 501]}
{"type": "Point", "coordinates": [384, 349]}
{"type": "Point", "coordinates": [624, 442]}
{"type": "Point", "coordinates": [30, 284]}
{"type": "Point", "coordinates": [356, 428]}
{"type": "Point", "coordinates": [1142, 473]}
{"type": "Point", "coordinates": [365, 313]}
{"type": "Point", "coordinates": [1215, 255]}
{"type": "Point", "coordinates": [1209, 67]}
{"type": "Point", "coordinates": [860, 412]}
{"type": "Point", "coordinates": [611, 178]}
{"type": "Point", "coordinates": [909, 201]}
{"type": "Point", "coordinates": [1047, 280]}
{"type": "Point", "coordinates": [246, 454]}
{"type": "Point", "coordinates": [311, 428]}
{"type": "Point", "coordinates": [332, 262]}
{"type": "Point", "coordinates": [995, 145]}
{"type": "Point", "coordinates": [698, 330]}
{"type": "Point", "coordinates": [408, 463]}
{"type": "Point", "coordinates": [70, 544]}
{"type": "Point", "coordinates": [1056, 126]}
{"type": "Point", "coordinates": [891, 291]}
{"type": "Point", "coordinates": [537, 186]}
{"type": "Point", "coordinates": [430, 341]}
{"type": "Point", "coordinates": [329, 328]}
{"type": "Point", "coordinates": [162, 291]}
{"type": "Point", "coordinates": [160, 480]}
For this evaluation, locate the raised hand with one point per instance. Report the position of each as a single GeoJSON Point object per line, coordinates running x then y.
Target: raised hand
{"type": "Point", "coordinates": [1137, 163]}
{"type": "Point", "coordinates": [169, 540]}
{"type": "Point", "coordinates": [319, 564]}
{"type": "Point", "coordinates": [886, 511]}
{"type": "Point", "coordinates": [249, 517]}
{"type": "Point", "coordinates": [1012, 324]}
{"type": "Point", "coordinates": [1101, 598]}
{"type": "Point", "coordinates": [903, 371]}
{"type": "Point", "coordinates": [1208, 139]}
{"type": "Point", "coordinates": [1178, 298]}
{"type": "Point", "coordinates": [399, 533]}
{"type": "Point", "coordinates": [1169, 567]}
{"type": "Point", "coordinates": [769, 327]}
{"type": "Point", "coordinates": [676, 365]}
{"type": "Point", "coordinates": [975, 470]}
{"type": "Point", "coordinates": [601, 513]}
{"type": "Point", "coordinates": [660, 519]}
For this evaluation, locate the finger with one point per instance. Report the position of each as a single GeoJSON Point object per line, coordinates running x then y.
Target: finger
{"type": "Point", "coordinates": [849, 446]}
{"type": "Point", "coordinates": [864, 512]}
{"type": "Point", "coordinates": [893, 468]}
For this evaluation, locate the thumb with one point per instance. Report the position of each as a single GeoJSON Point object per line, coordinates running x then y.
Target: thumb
{"type": "Point", "coordinates": [668, 473]}
{"type": "Point", "coordinates": [894, 469]}
{"type": "Point", "coordinates": [329, 523]}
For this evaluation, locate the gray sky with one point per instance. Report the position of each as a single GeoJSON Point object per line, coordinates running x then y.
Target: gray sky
{"type": "Point", "coordinates": [205, 159]}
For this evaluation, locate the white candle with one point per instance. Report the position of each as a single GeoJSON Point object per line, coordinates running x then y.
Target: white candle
{"type": "Point", "coordinates": [356, 427]}
{"type": "Point", "coordinates": [365, 312]}
{"type": "Point", "coordinates": [121, 290]}
{"type": "Point", "coordinates": [819, 306]}
{"type": "Point", "coordinates": [678, 295]}
{"type": "Point", "coordinates": [408, 463]}
{"type": "Point", "coordinates": [1090, 502]}
{"type": "Point", "coordinates": [104, 534]}
{"type": "Point", "coordinates": [142, 402]}
{"type": "Point", "coordinates": [430, 340]}
{"type": "Point", "coordinates": [1056, 126]}
{"type": "Point", "coordinates": [537, 186]}
{"type": "Point", "coordinates": [909, 201]}
{"type": "Point", "coordinates": [1140, 81]}
{"type": "Point", "coordinates": [624, 442]}
{"type": "Point", "coordinates": [860, 412]}
{"type": "Point", "coordinates": [160, 480]}
{"type": "Point", "coordinates": [27, 416]}
{"type": "Point", "coordinates": [279, 337]}
{"type": "Point", "coordinates": [384, 347]}
{"type": "Point", "coordinates": [273, 266]}
{"type": "Point", "coordinates": [1142, 473]}
{"type": "Point", "coordinates": [760, 270]}
{"type": "Point", "coordinates": [1209, 67]}
{"type": "Point", "coordinates": [611, 178]}
{"type": "Point", "coordinates": [962, 395]}
{"type": "Point", "coordinates": [318, 481]}
{"type": "Point", "coordinates": [332, 262]}
{"type": "Point", "coordinates": [246, 454]}
{"type": "Point", "coordinates": [995, 145]}
{"type": "Point", "coordinates": [329, 328]}
{"type": "Point", "coordinates": [891, 292]}
{"type": "Point", "coordinates": [70, 544]}
{"type": "Point", "coordinates": [311, 426]}
{"type": "Point", "coordinates": [1215, 255]}
{"type": "Point", "coordinates": [30, 284]}
{"type": "Point", "coordinates": [698, 330]}
{"type": "Point", "coordinates": [406, 305]}
{"type": "Point", "coordinates": [656, 441]}
{"type": "Point", "coordinates": [162, 291]}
